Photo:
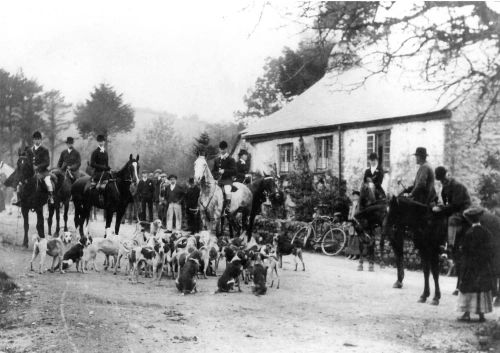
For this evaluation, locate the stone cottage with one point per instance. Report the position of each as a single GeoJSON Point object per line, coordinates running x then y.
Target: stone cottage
{"type": "Point", "coordinates": [344, 117]}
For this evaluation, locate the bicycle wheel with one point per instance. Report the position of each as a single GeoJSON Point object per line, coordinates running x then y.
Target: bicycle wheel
{"type": "Point", "coordinates": [300, 237]}
{"type": "Point", "coordinates": [333, 241]}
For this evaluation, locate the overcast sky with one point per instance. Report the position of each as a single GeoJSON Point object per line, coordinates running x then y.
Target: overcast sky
{"type": "Point", "coordinates": [184, 57]}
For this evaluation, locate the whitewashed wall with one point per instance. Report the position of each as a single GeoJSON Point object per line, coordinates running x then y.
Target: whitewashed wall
{"type": "Point", "coordinates": [405, 138]}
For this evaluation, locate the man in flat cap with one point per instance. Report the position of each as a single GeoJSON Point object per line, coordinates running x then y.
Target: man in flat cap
{"type": "Point", "coordinates": [242, 167]}
{"type": "Point", "coordinates": [456, 200]}
{"type": "Point", "coordinates": [224, 170]}
{"type": "Point", "coordinates": [70, 159]}
{"type": "Point", "coordinates": [174, 196]}
{"type": "Point", "coordinates": [422, 190]}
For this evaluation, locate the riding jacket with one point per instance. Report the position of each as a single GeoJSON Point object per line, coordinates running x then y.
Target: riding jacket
{"type": "Point", "coordinates": [228, 164]}
{"type": "Point", "coordinates": [99, 160]}
{"type": "Point", "coordinates": [423, 188]}
{"type": "Point", "coordinates": [69, 159]}
{"type": "Point", "coordinates": [40, 159]}
{"type": "Point", "coordinates": [376, 177]}
{"type": "Point", "coordinates": [456, 198]}
{"type": "Point", "coordinates": [242, 169]}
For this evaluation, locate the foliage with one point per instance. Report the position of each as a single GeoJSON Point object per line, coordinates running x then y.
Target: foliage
{"type": "Point", "coordinates": [285, 77]}
{"type": "Point", "coordinates": [55, 108]}
{"type": "Point", "coordinates": [202, 145]}
{"type": "Point", "coordinates": [306, 196]}
{"type": "Point", "coordinates": [489, 183]}
{"type": "Point", "coordinates": [456, 43]}
{"type": "Point", "coordinates": [104, 113]}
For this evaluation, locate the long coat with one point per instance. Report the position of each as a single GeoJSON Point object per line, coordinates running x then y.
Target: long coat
{"type": "Point", "coordinates": [477, 259]}
{"type": "Point", "coordinates": [145, 190]}
{"type": "Point", "coordinates": [99, 161]}
{"type": "Point", "coordinates": [229, 166]}
{"type": "Point", "coordinates": [423, 188]}
{"type": "Point", "coordinates": [377, 178]}
{"type": "Point", "coordinates": [40, 158]}
{"type": "Point", "coordinates": [71, 160]}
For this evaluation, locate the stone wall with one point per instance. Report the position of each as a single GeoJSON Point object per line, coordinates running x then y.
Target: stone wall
{"type": "Point", "coordinates": [268, 227]}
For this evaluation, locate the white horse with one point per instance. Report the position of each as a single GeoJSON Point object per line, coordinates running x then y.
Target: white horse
{"type": "Point", "coordinates": [211, 197]}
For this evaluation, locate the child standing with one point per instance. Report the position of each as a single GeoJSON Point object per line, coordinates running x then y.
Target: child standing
{"type": "Point", "coordinates": [476, 282]}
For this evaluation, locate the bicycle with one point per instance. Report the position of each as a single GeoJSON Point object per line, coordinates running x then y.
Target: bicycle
{"type": "Point", "coordinates": [327, 232]}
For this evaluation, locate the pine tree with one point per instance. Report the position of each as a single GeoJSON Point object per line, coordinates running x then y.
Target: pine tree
{"type": "Point", "coordinates": [202, 144]}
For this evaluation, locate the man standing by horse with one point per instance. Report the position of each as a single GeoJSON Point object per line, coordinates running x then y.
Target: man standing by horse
{"type": "Point", "coordinates": [174, 195]}
{"type": "Point", "coordinates": [456, 200]}
{"type": "Point", "coordinates": [224, 170]}
{"type": "Point", "coordinates": [70, 159]}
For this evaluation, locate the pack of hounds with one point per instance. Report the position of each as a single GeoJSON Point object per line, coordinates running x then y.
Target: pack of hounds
{"type": "Point", "coordinates": [152, 252]}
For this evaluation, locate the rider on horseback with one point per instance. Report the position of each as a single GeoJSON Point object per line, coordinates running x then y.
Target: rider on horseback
{"type": "Point", "coordinates": [375, 176]}
{"type": "Point", "coordinates": [224, 170]}
{"type": "Point", "coordinates": [422, 190]}
{"type": "Point", "coordinates": [243, 168]}
{"type": "Point", "coordinates": [456, 200]}
{"type": "Point", "coordinates": [70, 159]}
{"type": "Point", "coordinates": [99, 161]}
{"type": "Point", "coordinates": [40, 158]}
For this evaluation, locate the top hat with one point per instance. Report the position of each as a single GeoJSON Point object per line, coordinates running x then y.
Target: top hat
{"type": "Point", "coordinates": [100, 138]}
{"type": "Point", "coordinates": [421, 151]}
{"type": "Point", "coordinates": [70, 140]}
{"type": "Point", "coordinates": [242, 152]}
{"type": "Point", "coordinates": [37, 135]}
{"type": "Point", "coordinates": [440, 173]}
{"type": "Point", "coordinates": [223, 145]}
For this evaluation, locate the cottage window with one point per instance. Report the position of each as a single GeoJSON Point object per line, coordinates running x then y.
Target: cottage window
{"type": "Point", "coordinates": [324, 153]}
{"type": "Point", "coordinates": [380, 143]}
{"type": "Point", "coordinates": [286, 157]}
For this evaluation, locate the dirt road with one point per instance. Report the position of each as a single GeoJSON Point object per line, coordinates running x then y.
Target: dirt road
{"type": "Point", "coordinates": [328, 308]}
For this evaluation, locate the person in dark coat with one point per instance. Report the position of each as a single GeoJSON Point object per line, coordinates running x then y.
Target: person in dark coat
{"type": "Point", "coordinates": [476, 282]}
{"type": "Point", "coordinates": [174, 195]}
{"type": "Point", "coordinates": [145, 192]}
{"type": "Point", "coordinates": [99, 160]}
{"type": "Point", "coordinates": [192, 208]}
{"type": "Point", "coordinates": [242, 167]}
{"type": "Point", "coordinates": [375, 174]}
{"type": "Point", "coordinates": [40, 158]}
{"type": "Point", "coordinates": [156, 196]}
{"type": "Point", "coordinates": [224, 171]}
{"type": "Point", "coordinates": [456, 200]}
{"type": "Point", "coordinates": [70, 158]}
{"type": "Point", "coordinates": [422, 190]}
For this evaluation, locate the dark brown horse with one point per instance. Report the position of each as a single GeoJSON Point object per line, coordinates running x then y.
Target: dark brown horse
{"type": "Point", "coordinates": [406, 217]}
{"type": "Point", "coordinates": [117, 196]}
{"type": "Point", "coordinates": [34, 192]}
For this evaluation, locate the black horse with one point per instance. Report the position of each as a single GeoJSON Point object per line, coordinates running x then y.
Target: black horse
{"type": "Point", "coordinates": [261, 189]}
{"type": "Point", "coordinates": [407, 217]}
{"type": "Point", "coordinates": [34, 193]}
{"type": "Point", "coordinates": [61, 197]}
{"type": "Point", "coordinates": [117, 195]}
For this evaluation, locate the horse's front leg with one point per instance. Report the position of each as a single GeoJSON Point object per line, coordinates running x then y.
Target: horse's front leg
{"type": "Point", "coordinates": [58, 218]}
{"type": "Point", "coordinates": [49, 219]}
{"type": "Point", "coordinates": [426, 270]}
{"type": "Point", "coordinates": [65, 216]}
{"type": "Point", "coordinates": [435, 276]}
{"type": "Point", "coordinates": [397, 246]}
{"type": "Point", "coordinates": [120, 212]}
{"type": "Point", "coordinates": [25, 212]}
{"type": "Point", "coordinates": [109, 218]}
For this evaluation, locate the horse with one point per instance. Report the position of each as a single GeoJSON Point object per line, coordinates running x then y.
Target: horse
{"type": "Point", "coordinates": [261, 188]}
{"type": "Point", "coordinates": [117, 196]}
{"type": "Point", "coordinates": [406, 216]}
{"type": "Point", "coordinates": [370, 218]}
{"type": "Point", "coordinates": [62, 196]}
{"type": "Point", "coordinates": [211, 199]}
{"type": "Point", "coordinates": [34, 193]}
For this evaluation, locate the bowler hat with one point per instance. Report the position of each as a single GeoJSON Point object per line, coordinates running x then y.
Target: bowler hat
{"type": "Point", "coordinates": [473, 214]}
{"type": "Point", "coordinates": [440, 173]}
{"type": "Point", "coordinates": [242, 152]}
{"type": "Point", "coordinates": [172, 176]}
{"type": "Point", "coordinates": [373, 156]}
{"type": "Point", "coordinates": [223, 145]}
{"type": "Point", "coordinates": [37, 135]}
{"type": "Point", "coordinates": [421, 151]}
{"type": "Point", "coordinates": [100, 138]}
{"type": "Point", "coordinates": [70, 140]}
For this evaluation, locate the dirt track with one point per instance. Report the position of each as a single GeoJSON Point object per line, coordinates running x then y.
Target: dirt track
{"type": "Point", "coordinates": [329, 308]}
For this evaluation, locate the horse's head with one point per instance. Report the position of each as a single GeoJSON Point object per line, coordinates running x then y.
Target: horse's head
{"type": "Point", "coordinates": [131, 170]}
{"type": "Point", "coordinates": [24, 166]}
{"type": "Point", "coordinates": [201, 170]}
